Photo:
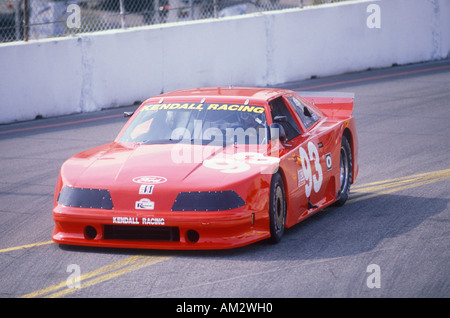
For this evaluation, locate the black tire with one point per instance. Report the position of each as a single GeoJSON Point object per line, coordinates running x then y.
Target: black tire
{"type": "Point", "coordinates": [277, 208]}
{"type": "Point", "coordinates": [345, 168]}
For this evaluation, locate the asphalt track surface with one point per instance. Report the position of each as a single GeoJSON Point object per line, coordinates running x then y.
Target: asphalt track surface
{"type": "Point", "coordinates": [391, 239]}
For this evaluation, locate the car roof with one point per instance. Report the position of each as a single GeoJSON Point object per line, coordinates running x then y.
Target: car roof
{"type": "Point", "coordinates": [229, 94]}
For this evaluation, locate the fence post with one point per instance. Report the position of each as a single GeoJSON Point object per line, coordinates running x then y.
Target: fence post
{"type": "Point", "coordinates": [17, 21]}
{"type": "Point", "coordinates": [215, 8]}
{"type": "Point", "coordinates": [25, 20]}
{"type": "Point", "coordinates": [122, 12]}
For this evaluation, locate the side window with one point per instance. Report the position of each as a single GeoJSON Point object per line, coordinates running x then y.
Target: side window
{"type": "Point", "coordinates": [307, 116]}
{"type": "Point", "coordinates": [278, 108]}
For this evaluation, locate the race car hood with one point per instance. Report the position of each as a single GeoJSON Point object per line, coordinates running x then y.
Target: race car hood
{"type": "Point", "coordinates": [116, 163]}
{"type": "Point", "coordinates": [163, 170]}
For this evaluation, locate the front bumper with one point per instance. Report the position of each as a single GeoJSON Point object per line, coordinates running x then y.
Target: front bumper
{"type": "Point", "coordinates": [159, 230]}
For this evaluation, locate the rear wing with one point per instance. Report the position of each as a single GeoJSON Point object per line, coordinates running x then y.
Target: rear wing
{"type": "Point", "coordinates": [332, 104]}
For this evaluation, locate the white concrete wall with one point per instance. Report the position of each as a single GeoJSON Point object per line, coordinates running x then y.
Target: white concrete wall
{"type": "Point", "coordinates": [106, 69]}
{"type": "Point", "coordinates": [41, 78]}
{"type": "Point", "coordinates": [336, 39]}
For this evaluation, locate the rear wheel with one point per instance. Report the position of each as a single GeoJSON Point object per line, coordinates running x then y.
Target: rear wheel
{"type": "Point", "coordinates": [277, 209]}
{"type": "Point", "coordinates": [345, 171]}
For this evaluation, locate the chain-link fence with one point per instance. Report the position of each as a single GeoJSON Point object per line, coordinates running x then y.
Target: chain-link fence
{"type": "Point", "coordinates": [38, 19]}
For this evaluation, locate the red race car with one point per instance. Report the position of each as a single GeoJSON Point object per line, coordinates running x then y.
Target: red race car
{"type": "Point", "coordinates": [210, 168]}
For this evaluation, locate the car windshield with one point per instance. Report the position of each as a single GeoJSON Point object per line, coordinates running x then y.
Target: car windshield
{"type": "Point", "coordinates": [195, 123]}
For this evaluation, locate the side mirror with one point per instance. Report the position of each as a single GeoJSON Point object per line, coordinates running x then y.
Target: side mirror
{"type": "Point", "coordinates": [127, 114]}
{"type": "Point", "coordinates": [277, 132]}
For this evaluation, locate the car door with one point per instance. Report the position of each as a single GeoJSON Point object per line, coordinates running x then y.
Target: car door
{"type": "Point", "coordinates": [297, 202]}
{"type": "Point", "coordinates": [314, 154]}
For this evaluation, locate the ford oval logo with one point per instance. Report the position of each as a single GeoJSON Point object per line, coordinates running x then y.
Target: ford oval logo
{"type": "Point", "coordinates": [149, 180]}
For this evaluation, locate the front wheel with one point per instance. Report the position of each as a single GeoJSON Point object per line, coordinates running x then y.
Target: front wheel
{"type": "Point", "coordinates": [277, 209]}
{"type": "Point", "coordinates": [345, 172]}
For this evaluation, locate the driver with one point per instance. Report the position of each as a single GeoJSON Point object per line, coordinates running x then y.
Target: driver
{"type": "Point", "coordinates": [248, 120]}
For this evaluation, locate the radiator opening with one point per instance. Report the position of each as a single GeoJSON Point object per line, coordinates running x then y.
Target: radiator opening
{"type": "Point", "coordinates": [144, 233]}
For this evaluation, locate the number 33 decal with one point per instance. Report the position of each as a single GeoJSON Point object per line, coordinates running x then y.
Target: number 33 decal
{"type": "Point", "coordinates": [311, 180]}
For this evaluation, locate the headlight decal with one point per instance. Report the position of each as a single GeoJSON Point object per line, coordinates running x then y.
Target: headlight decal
{"type": "Point", "coordinates": [207, 201]}
{"type": "Point", "coordinates": [85, 198]}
